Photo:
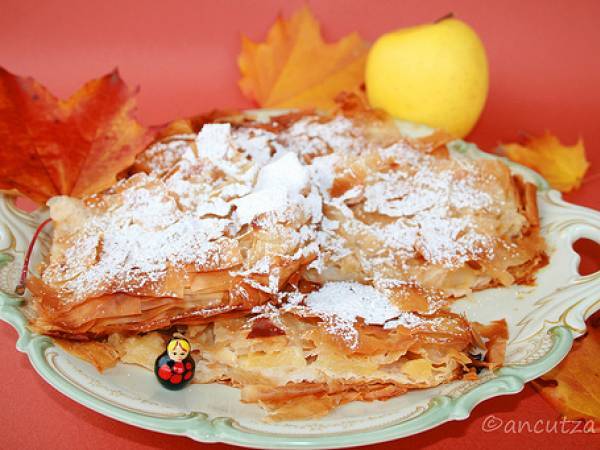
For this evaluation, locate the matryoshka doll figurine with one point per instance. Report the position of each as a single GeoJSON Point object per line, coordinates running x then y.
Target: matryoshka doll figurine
{"type": "Point", "coordinates": [175, 367]}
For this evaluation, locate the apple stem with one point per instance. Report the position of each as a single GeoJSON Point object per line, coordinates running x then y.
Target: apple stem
{"type": "Point", "coordinates": [450, 15]}
{"type": "Point", "coordinates": [20, 289]}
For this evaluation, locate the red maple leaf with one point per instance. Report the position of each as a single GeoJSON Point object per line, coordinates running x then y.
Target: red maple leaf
{"type": "Point", "coordinates": [71, 147]}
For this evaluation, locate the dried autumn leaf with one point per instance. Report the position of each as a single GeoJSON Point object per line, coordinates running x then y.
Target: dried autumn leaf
{"type": "Point", "coordinates": [563, 166]}
{"type": "Point", "coordinates": [295, 68]}
{"type": "Point", "coordinates": [576, 393]}
{"type": "Point", "coordinates": [76, 146]}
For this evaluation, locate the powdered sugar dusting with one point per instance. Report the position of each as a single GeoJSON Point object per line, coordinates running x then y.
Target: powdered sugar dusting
{"type": "Point", "coordinates": [341, 304]}
{"type": "Point", "coordinates": [318, 190]}
{"type": "Point", "coordinates": [279, 182]}
{"type": "Point", "coordinates": [214, 141]}
{"type": "Point", "coordinates": [131, 244]}
{"type": "Point", "coordinates": [348, 301]}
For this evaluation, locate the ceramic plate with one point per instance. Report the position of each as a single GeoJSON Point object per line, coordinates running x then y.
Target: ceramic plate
{"type": "Point", "coordinates": [543, 321]}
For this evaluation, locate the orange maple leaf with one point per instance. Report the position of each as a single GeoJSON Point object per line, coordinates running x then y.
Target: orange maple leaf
{"type": "Point", "coordinates": [563, 166]}
{"type": "Point", "coordinates": [73, 147]}
{"type": "Point", "coordinates": [573, 387]}
{"type": "Point", "coordinates": [295, 68]}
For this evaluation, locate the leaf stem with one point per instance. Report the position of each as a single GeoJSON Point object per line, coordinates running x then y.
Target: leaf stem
{"type": "Point", "coordinates": [450, 15]}
{"type": "Point", "coordinates": [20, 289]}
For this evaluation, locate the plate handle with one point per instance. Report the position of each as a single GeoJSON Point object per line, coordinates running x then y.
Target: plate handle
{"type": "Point", "coordinates": [566, 223]}
{"type": "Point", "coordinates": [16, 228]}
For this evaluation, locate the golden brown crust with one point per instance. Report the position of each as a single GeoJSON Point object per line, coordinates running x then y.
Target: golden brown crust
{"type": "Point", "coordinates": [528, 200]}
{"type": "Point", "coordinates": [102, 355]}
{"type": "Point", "coordinates": [496, 337]}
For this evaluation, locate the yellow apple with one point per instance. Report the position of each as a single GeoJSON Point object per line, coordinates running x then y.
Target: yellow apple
{"type": "Point", "coordinates": [435, 74]}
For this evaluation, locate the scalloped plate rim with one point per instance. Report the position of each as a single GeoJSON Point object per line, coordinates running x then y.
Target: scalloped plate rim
{"type": "Point", "coordinates": [442, 409]}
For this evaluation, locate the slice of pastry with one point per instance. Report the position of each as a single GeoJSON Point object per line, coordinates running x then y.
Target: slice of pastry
{"type": "Point", "coordinates": [423, 225]}
{"type": "Point", "coordinates": [313, 352]}
{"type": "Point", "coordinates": [218, 232]}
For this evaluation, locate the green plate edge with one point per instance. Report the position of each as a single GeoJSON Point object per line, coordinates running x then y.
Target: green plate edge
{"type": "Point", "coordinates": [198, 426]}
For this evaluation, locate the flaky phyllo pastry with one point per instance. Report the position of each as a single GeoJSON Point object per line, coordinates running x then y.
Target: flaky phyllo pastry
{"type": "Point", "coordinates": [310, 259]}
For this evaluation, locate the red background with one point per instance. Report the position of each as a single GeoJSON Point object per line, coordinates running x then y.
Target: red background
{"type": "Point", "coordinates": [545, 70]}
